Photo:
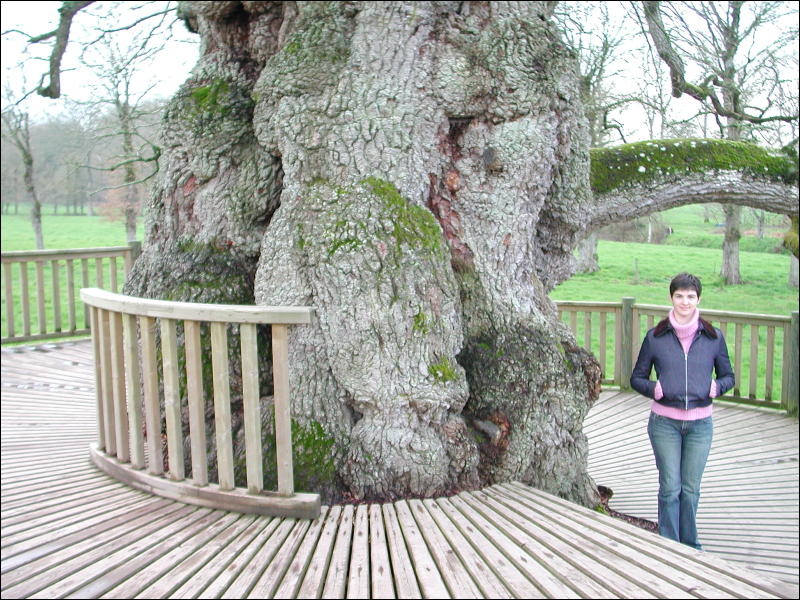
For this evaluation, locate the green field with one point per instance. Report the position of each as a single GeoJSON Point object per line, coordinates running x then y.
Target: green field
{"type": "Point", "coordinates": [62, 231]}
{"type": "Point", "coordinates": [643, 271]}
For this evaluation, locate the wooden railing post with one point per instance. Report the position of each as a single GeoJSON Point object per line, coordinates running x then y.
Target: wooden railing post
{"type": "Point", "coordinates": [794, 377]}
{"type": "Point", "coordinates": [283, 415]}
{"type": "Point", "coordinates": [626, 346]}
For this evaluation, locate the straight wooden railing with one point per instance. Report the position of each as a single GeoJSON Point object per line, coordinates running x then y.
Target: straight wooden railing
{"type": "Point", "coordinates": [763, 348]}
{"type": "Point", "coordinates": [131, 389]}
{"type": "Point", "coordinates": [57, 277]}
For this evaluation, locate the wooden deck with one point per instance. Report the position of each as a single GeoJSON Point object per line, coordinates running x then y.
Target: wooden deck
{"type": "Point", "coordinates": [70, 531]}
{"type": "Point", "coordinates": [749, 505]}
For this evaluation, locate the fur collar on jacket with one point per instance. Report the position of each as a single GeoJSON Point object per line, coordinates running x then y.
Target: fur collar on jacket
{"type": "Point", "coordinates": [664, 326]}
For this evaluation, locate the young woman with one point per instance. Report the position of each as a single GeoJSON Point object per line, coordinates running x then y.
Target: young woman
{"type": "Point", "coordinates": [685, 350]}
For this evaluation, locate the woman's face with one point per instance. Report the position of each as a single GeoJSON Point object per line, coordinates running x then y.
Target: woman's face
{"type": "Point", "coordinates": [685, 303]}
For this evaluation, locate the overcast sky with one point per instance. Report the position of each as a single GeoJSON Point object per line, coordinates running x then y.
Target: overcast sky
{"type": "Point", "coordinates": [40, 17]}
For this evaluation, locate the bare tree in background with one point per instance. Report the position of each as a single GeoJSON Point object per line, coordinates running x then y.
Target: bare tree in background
{"type": "Point", "coordinates": [718, 38]}
{"type": "Point", "coordinates": [119, 62]}
{"type": "Point", "coordinates": [124, 41]}
{"type": "Point", "coordinates": [16, 128]}
{"type": "Point", "coordinates": [598, 40]}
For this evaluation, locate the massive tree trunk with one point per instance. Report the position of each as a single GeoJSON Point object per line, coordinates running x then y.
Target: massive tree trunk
{"type": "Point", "coordinates": [418, 173]}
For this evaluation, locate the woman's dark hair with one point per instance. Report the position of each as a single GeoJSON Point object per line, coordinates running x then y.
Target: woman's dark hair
{"type": "Point", "coordinates": [685, 281]}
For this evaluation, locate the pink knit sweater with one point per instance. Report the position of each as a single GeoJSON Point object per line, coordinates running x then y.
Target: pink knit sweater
{"type": "Point", "coordinates": [685, 335]}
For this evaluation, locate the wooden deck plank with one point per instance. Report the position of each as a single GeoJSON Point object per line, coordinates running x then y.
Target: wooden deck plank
{"type": "Point", "coordinates": [314, 578]}
{"type": "Point", "coordinates": [266, 584]}
{"type": "Point", "coordinates": [244, 554]}
{"type": "Point", "coordinates": [455, 574]}
{"type": "Point", "coordinates": [198, 567]}
{"type": "Point", "coordinates": [171, 569]}
{"type": "Point", "coordinates": [129, 569]}
{"type": "Point", "coordinates": [430, 579]}
{"type": "Point", "coordinates": [245, 580]}
{"type": "Point", "coordinates": [405, 580]}
{"type": "Point", "coordinates": [713, 570]}
{"type": "Point", "coordinates": [40, 541]}
{"type": "Point", "coordinates": [358, 574]}
{"type": "Point", "coordinates": [336, 577]}
{"type": "Point", "coordinates": [565, 573]}
{"type": "Point", "coordinates": [69, 562]}
{"type": "Point", "coordinates": [519, 585]}
{"type": "Point", "coordinates": [628, 561]}
{"type": "Point", "coordinates": [381, 581]}
{"type": "Point", "coordinates": [296, 570]}
{"type": "Point", "coordinates": [62, 520]}
{"type": "Point", "coordinates": [490, 585]}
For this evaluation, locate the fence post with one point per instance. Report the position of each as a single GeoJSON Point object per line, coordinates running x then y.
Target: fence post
{"type": "Point", "coordinates": [794, 378]}
{"type": "Point", "coordinates": [626, 346]}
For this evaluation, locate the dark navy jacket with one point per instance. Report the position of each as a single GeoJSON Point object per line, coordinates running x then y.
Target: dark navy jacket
{"type": "Point", "coordinates": [685, 378]}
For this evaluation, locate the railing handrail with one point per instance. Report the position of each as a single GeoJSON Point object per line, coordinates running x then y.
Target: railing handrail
{"type": "Point", "coordinates": [722, 314]}
{"type": "Point", "coordinates": [17, 255]}
{"type": "Point", "coordinates": [45, 285]}
{"type": "Point", "coordinates": [728, 315]}
{"type": "Point", "coordinates": [191, 311]}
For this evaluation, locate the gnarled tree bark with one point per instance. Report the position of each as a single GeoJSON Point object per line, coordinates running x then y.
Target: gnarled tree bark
{"type": "Point", "coordinates": [418, 173]}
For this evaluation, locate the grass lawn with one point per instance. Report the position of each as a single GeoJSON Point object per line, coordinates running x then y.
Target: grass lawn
{"type": "Point", "coordinates": [62, 231]}
{"type": "Point", "coordinates": [643, 271]}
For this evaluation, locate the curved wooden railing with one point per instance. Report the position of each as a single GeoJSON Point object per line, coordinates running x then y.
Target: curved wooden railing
{"type": "Point", "coordinates": [129, 387]}
{"type": "Point", "coordinates": [763, 348]}
{"type": "Point", "coordinates": [57, 276]}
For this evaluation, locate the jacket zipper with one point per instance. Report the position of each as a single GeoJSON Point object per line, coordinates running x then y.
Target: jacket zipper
{"type": "Point", "coordinates": [686, 370]}
{"type": "Point", "coordinates": [686, 378]}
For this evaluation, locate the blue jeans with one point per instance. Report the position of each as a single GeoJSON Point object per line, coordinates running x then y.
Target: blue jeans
{"type": "Point", "coordinates": [681, 450]}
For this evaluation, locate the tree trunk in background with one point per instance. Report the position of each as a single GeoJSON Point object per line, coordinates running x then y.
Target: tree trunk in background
{"type": "Point", "coordinates": [761, 218]}
{"type": "Point", "coordinates": [36, 206]}
{"type": "Point", "coordinates": [131, 198]}
{"type": "Point", "coordinates": [586, 260]}
{"type": "Point", "coordinates": [730, 247]}
{"type": "Point", "coordinates": [17, 128]}
{"type": "Point", "coordinates": [793, 272]}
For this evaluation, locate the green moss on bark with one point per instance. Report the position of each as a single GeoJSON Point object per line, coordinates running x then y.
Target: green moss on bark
{"type": "Point", "coordinates": [313, 459]}
{"type": "Point", "coordinates": [442, 371]}
{"type": "Point", "coordinates": [390, 219]}
{"type": "Point", "coordinates": [645, 162]}
{"type": "Point", "coordinates": [412, 224]}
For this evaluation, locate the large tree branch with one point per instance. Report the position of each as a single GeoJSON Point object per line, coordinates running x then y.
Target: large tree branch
{"type": "Point", "coordinates": [67, 11]}
{"type": "Point", "coordinates": [726, 187]}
